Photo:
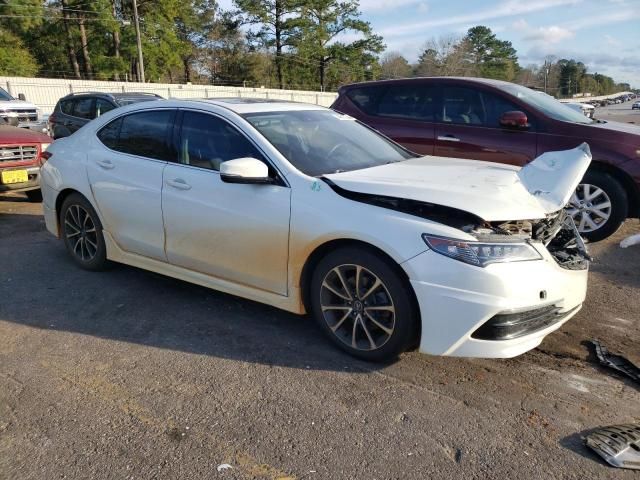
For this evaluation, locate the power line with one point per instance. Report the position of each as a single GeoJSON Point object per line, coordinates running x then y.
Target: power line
{"type": "Point", "coordinates": [57, 17]}
{"type": "Point", "coordinates": [52, 8]}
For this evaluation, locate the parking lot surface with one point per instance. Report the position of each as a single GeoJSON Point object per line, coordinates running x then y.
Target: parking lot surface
{"type": "Point", "coordinates": [621, 112]}
{"type": "Point", "coordinates": [128, 374]}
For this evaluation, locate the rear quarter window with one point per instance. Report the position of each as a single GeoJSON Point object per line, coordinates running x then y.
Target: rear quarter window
{"type": "Point", "coordinates": [144, 134]}
{"type": "Point", "coordinates": [365, 98]}
{"type": "Point", "coordinates": [66, 107]}
{"type": "Point", "coordinates": [109, 134]}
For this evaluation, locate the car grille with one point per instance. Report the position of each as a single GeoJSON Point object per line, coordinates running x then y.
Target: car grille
{"type": "Point", "coordinates": [23, 115]}
{"type": "Point", "coordinates": [18, 153]}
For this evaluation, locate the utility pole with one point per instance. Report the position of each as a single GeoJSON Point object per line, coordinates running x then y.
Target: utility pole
{"type": "Point", "coordinates": [139, 41]}
{"type": "Point", "coordinates": [546, 74]}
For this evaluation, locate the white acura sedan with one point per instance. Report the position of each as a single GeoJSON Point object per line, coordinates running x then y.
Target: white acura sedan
{"type": "Point", "coordinates": [308, 210]}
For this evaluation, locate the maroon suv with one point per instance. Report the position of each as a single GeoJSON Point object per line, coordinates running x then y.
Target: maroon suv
{"type": "Point", "coordinates": [502, 122]}
{"type": "Point", "coordinates": [20, 160]}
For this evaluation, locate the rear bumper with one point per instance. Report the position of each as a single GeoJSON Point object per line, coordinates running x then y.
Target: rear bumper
{"type": "Point", "coordinates": [457, 301]}
{"type": "Point", "coordinates": [32, 184]}
{"type": "Point", "coordinates": [50, 217]}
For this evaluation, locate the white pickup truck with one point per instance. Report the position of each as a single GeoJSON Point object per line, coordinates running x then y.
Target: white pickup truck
{"type": "Point", "coordinates": [20, 113]}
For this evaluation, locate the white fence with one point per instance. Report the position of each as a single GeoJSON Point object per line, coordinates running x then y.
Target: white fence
{"type": "Point", "coordinates": [45, 92]}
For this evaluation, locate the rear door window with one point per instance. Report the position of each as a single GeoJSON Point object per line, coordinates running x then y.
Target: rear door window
{"type": "Point", "coordinates": [103, 106]}
{"type": "Point", "coordinates": [462, 106]}
{"type": "Point", "coordinates": [83, 108]}
{"type": "Point", "coordinates": [411, 102]}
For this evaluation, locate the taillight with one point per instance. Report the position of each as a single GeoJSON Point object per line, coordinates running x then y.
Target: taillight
{"type": "Point", "coordinates": [44, 155]}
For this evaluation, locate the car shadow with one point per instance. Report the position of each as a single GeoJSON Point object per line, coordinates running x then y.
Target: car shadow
{"type": "Point", "coordinates": [13, 197]}
{"type": "Point", "coordinates": [47, 290]}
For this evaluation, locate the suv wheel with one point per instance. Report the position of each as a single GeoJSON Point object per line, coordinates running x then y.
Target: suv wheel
{"type": "Point", "coordinates": [599, 206]}
{"type": "Point", "coordinates": [362, 304]}
{"type": "Point", "coordinates": [34, 196]}
{"type": "Point", "coordinates": [82, 233]}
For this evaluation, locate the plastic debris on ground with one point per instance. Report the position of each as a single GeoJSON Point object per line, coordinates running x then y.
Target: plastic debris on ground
{"type": "Point", "coordinates": [617, 362]}
{"type": "Point", "coordinates": [619, 445]}
{"type": "Point", "coordinates": [632, 240]}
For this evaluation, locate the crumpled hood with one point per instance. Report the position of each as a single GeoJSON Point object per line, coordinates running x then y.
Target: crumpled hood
{"type": "Point", "coordinates": [491, 191]}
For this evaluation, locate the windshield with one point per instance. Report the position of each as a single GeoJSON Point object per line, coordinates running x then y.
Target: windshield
{"type": "Point", "coordinates": [318, 142]}
{"type": "Point", "coordinates": [4, 95]}
{"type": "Point", "coordinates": [547, 104]}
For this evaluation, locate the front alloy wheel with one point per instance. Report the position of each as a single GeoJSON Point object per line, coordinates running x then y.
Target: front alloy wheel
{"type": "Point", "coordinates": [364, 304]}
{"type": "Point", "coordinates": [357, 307]}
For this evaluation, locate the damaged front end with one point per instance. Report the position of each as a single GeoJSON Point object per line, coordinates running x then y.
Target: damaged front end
{"type": "Point", "coordinates": [557, 232]}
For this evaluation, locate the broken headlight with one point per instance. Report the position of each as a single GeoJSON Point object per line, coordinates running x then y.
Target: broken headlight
{"type": "Point", "coordinates": [481, 254]}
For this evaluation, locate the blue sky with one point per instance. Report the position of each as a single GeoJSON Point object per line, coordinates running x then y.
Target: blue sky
{"type": "Point", "coordinates": [604, 34]}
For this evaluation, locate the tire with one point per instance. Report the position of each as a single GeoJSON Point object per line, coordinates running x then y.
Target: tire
{"type": "Point", "coordinates": [384, 318]}
{"type": "Point", "coordinates": [81, 231]}
{"type": "Point", "coordinates": [34, 196]}
{"type": "Point", "coordinates": [612, 193]}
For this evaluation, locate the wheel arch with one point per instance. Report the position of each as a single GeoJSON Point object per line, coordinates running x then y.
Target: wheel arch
{"type": "Point", "coordinates": [633, 195]}
{"type": "Point", "coordinates": [63, 195]}
{"type": "Point", "coordinates": [323, 249]}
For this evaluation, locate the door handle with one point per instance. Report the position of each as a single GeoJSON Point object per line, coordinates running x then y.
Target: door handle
{"type": "Point", "coordinates": [178, 183]}
{"type": "Point", "coordinates": [448, 138]}
{"type": "Point", "coordinates": [106, 164]}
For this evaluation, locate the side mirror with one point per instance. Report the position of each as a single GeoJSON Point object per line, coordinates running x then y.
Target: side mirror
{"type": "Point", "coordinates": [514, 119]}
{"type": "Point", "coordinates": [21, 97]}
{"type": "Point", "coordinates": [245, 170]}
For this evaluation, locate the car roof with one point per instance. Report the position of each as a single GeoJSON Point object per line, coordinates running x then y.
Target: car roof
{"type": "Point", "coordinates": [112, 95]}
{"type": "Point", "coordinates": [486, 81]}
{"type": "Point", "coordinates": [246, 105]}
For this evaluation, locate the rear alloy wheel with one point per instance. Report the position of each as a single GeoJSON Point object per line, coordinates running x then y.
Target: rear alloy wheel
{"type": "Point", "coordinates": [362, 304]}
{"type": "Point", "coordinates": [82, 233]}
{"type": "Point", "coordinates": [598, 206]}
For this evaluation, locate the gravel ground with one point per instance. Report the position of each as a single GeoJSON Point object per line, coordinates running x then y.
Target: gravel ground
{"type": "Point", "coordinates": [128, 374]}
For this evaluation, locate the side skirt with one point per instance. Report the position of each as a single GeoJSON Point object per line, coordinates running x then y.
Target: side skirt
{"type": "Point", "coordinates": [116, 254]}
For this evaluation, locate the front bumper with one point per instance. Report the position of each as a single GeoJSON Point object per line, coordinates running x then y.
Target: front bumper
{"type": "Point", "coordinates": [457, 299]}
{"type": "Point", "coordinates": [32, 184]}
